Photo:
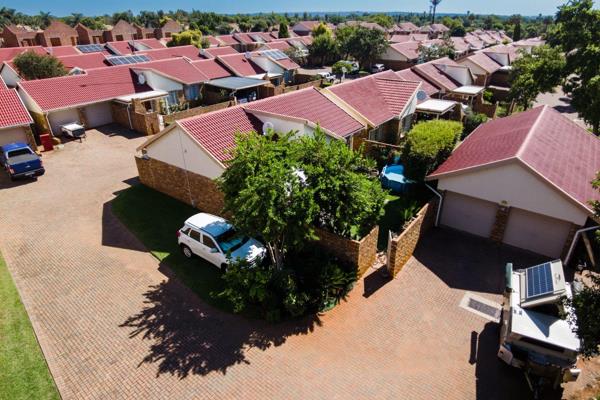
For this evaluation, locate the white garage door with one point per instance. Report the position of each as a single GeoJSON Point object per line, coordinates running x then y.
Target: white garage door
{"type": "Point", "coordinates": [12, 135]}
{"type": "Point", "coordinates": [468, 214]}
{"type": "Point", "coordinates": [536, 232]}
{"type": "Point", "coordinates": [98, 114]}
{"type": "Point", "coordinates": [58, 118]}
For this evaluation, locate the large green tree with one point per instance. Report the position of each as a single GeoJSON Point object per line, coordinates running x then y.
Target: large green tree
{"type": "Point", "coordinates": [537, 72]}
{"type": "Point", "coordinates": [322, 48]}
{"type": "Point", "coordinates": [278, 187]}
{"type": "Point", "coordinates": [363, 44]}
{"type": "Point", "coordinates": [577, 34]}
{"type": "Point", "coordinates": [31, 65]}
{"type": "Point", "coordinates": [283, 31]}
{"type": "Point", "coordinates": [190, 37]}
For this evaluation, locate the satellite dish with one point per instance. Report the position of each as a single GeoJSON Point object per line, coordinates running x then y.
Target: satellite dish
{"type": "Point", "coordinates": [267, 126]}
{"type": "Point", "coordinates": [421, 95]}
{"type": "Point", "coordinates": [247, 54]}
{"type": "Point", "coordinates": [141, 79]}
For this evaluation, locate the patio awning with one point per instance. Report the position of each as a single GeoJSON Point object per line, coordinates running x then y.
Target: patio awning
{"type": "Point", "coordinates": [434, 106]}
{"type": "Point", "coordinates": [236, 83]}
{"type": "Point", "coordinates": [142, 96]}
{"type": "Point", "coordinates": [469, 90]}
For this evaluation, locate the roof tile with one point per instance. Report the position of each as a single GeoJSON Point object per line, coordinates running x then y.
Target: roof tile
{"type": "Point", "coordinates": [12, 110]}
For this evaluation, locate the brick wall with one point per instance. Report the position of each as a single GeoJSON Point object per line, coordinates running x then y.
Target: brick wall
{"type": "Point", "coordinates": [169, 119]}
{"type": "Point", "coordinates": [196, 190]}
{"type": "Point", "coordinates": [396, 65]}
{"type": "Point", "coordinates": [500, 223]}
{"type": "Point", "coordinates": [401, 247]}
{"type": "Point", "coordinates": [361, 253]}
{"type": "Point", "coordinates": [146, 123]}
{"type": "Point", "coordinates": [303, 86]}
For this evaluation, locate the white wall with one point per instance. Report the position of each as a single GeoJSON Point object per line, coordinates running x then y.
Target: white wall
{"type": "Point", "coordinates": [159, 82]}
{"type": "Point", "coordinates": [9, 76]}
{"type": "Point", "coordinates": [62, 117]}
{"type": "Point", "coordinates": [267, 65]}
{"type": "Point", "coordinates": [460, 74]}
{"type": "Point", "coordinates": [10, 135]}
{"type": "Point", "coordinates": [477, 70]}
{"type": "Point", "coordinates": [98, 114]}
{"type": "Point", "coordinates": [284, 125]}
{"type": "Point", "coordinates": [179, 149]}
{"type": "Point", "coordinates": [30, 104]}
{"type": "Point", "coordinates": [513, 183]}
{"type": "Point", "coordinates": [500, 58]}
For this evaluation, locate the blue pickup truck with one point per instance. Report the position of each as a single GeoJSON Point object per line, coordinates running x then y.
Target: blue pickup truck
{"type": "Point", "coordinates": [20, 161]}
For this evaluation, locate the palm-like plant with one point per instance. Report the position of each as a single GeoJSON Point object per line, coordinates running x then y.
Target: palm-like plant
{"type": "Point", "coordinates": [434, 4]}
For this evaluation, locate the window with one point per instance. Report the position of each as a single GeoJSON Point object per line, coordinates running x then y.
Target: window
{"type": "Point", "coordinates": [376, 134]}
{"type": "Point", "coordinates": [119, 38]}
{"type": "Point", "coordinates": [192, 92]}
{"type": "Point", "coordinates": [19, 152]}
{"type": "Point", "coordinates": [208, 242]}
{"type": "Point", "coordinates": [173, 98]}
{"type": "Point", "coordinates": [195, 235]}
{"type": "Point", "coordinates": [186, 230]}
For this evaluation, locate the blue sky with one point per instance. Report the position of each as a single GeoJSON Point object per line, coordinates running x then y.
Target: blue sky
{"type": "Point", "coordinates": [502, 7]}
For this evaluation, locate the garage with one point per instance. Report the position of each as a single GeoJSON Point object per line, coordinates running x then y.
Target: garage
{"type": "Point", "coordinates": [98, 115]}
{"type": "Point", "coordinates": [468, 214]}
{"type": "Point", "coordinates": [62, 117]}
{"type": "Point", "coordinates": [11, 135]}
{"type": "Point", "coordinates": [535, 232]}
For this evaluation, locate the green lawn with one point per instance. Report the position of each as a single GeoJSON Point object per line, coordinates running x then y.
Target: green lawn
{"type": "Point", "coordinates": [155, 218]}
{"type": "Point", "coordinates": [23, 370]}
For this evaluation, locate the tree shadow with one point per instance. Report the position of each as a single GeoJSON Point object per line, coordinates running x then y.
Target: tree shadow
{"type": "Point", "coordinates": [118, 130]}
{"type": "Point", "coordinates": [189, 337]}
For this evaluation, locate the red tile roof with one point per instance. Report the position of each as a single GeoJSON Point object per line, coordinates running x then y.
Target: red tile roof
{"type": "Point", "coordinates": [212, 40]}
{"type": "Point", "coordinates": [58, 51]}
{"type": "Point", "coordinates": [433, 73]}
{"type": "Point", "coordinates": [244, 38]}
{"type": "Point", "coordinates": [486, 63]}
{"type": "Point", "coordinates": [96, 85]}
{"type": "Point", "coordinates": [84, 61]}
{"type": "Point", "coordinates": [219, 51]}
{"type": "Point", "coordinates": [211, 68]}
{"type": "Point", "coordinates": [552, 145]}
{"type": "Point", "coordinates": [9, 53]}
{"type": "Point", "coordinates": [240, 65]}
{"type": "Point", "coordinates": [215, 131]}
{"type": "Point", "coordinates": [400, 38]}
{"type": "Point", "coordinates": [227, 40]}
{"type": "Point", "coordinates": [408, 26]}
{"type": "Point", "coordinates": [410, 75]}
{"type": "Point", "coordinates": [278, 45]}
{"type": "Point", "coordinates": [12, 110]}
{"type": "Point", "coordinates": [152, 43]}
{"type": "Point", "coordinates": [2, 84]}
{"type": "Point", "coordinates": [459, 44]}
{"type": "Point", "coordinates": [379, 97]}
{"type": "Point", "coordinates": [120, 48]}
{"type": "Point", "coordinates": [409, 49]}
{"type": "Point", "coordinates": [191, 52]}
{"type": "Point", "coordinates": [309, 105]}
{"type": "Point", "coordinates": [177, 69]}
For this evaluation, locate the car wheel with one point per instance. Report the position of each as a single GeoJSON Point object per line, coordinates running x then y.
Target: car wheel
{"type": "Point", "coordinates": [224, 267]}
{"type": "Point", "coordinates": [187, 252]}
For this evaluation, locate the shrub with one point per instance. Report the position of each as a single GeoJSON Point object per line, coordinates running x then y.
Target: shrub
{"type": "Point", "coordinates": [472, 121]}
{"type": "Point", "coordinates": [428, 144]}
{"type": "Point", "coordinates": [32, 66]}
{"type": "Point", "coordinates": [337, 68]}
{"type": "Point", "coordinates": [488, 96]}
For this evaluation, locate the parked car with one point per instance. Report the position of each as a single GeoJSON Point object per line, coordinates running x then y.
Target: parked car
{"type": "Point", "coordinates": [355, 66]}
{"type": "Point", "coordinates": [20, 161]}
{"type": "Point", "coordinates": [534, 337]}
{"type": "Point", "coordinates": [377, 68]}
{"type": "Point", "coordinates": [327, 76]}
{"type": "Point", "coordinates": [73, 130]}
{"type": "Point", "coordinates": [217, 241]}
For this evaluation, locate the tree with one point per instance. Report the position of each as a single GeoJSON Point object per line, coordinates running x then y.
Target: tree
{"type": "Point", "coordinates": [535, 73]}
{"type": "Point", "coordinates": [260, 26]}
{"type": "Point", "coordinates": [577, 35]}
{"type": "Point", "coordinates": [428, 144]}
{"type": "Point", "coordinates": [434, 4]}
{"type": "Point", "coordinates": [321, 29]}
{"type": "Point", "coordinates": [438, 49]}
{"type": "Point", "coordinates": [187, 38]}
{"type": "Point", "coordinates": [283, 30]}
{"type": "Point", "coordinates": [34, 66]}
{"type": "Point", "coordinates": [322, 48]}
{"type": "Point", "coordinates": [585, 304]}
{"type": "Point", "coordinates": [363, 44]}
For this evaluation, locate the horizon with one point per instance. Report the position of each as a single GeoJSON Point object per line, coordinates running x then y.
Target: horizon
{"type": "Point", "coordinates": [61, 8]}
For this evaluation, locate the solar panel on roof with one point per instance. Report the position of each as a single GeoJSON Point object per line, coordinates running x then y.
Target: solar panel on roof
{"type": "Point", "coordinates": [275, 54]}
{"type": "Point", "coordinates": [539, 280]}
{"type": "Point", "coordinates": [123, 60]}
{"type": "Point", "coordinates": [90, 48]}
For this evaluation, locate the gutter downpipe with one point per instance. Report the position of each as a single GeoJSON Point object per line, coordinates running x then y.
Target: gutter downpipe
{"type": "Point", "coordinates": [438, 194]}
{"type": "Point", "coordinates": [574, 242]}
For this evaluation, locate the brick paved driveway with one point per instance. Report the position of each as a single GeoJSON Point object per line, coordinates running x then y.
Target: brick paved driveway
{"type": "Point", "coordinates": [112, 324]}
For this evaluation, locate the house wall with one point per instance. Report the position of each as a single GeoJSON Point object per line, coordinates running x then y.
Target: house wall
{"type": "Point", "coordinates": [518, 187]}
{"type": "Point", "coordinates": [284, 125]}
{"type": "Point", "coordinates": [61, 117]}
{"type": "Point", "coordinates": [159, 82]}
{"type": "Point", "coordinates": [459, 74]}
{"type": "Point", "coordinates": [14, 134]}
{"type": "Point", "coordinates": [268, 65]}
{"type": "Point", "coordinates": [500, 58]}
{"type": "Point", "coordinates": [476, 69]}
{"type": "Point", "coordinates": [10, 76]}
{"type": "Point", "coordinates": [178, 149]}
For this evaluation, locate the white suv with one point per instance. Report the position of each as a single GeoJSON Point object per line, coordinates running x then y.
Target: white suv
{"type": "Point", "coordinates": [215, 239]}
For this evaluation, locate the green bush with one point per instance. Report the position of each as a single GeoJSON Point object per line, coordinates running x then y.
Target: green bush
{"type": "Point", "coordinates": [428, 144]}
{"type": "Point", "coordinates": [472, 121]}
{"type": "Point", "coordinates": [310, 281]}
{"type": "Point", "coordinates": [338, 66]}
{"type": "Point", "coordinates": [488, 96]}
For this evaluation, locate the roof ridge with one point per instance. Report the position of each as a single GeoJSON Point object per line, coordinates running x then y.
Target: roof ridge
{"type": "Point", "coordinates": [530, 133]}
